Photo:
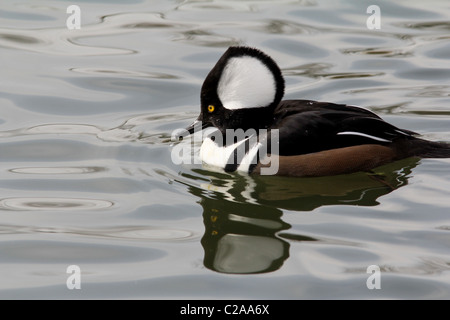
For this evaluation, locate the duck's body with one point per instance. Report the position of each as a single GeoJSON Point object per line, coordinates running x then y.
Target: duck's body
{"type": "Point", "coordinates": [244, 91]}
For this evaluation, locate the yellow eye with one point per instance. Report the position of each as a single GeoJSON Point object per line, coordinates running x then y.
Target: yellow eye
{"type": "Point", "coordinates": [211, 108]}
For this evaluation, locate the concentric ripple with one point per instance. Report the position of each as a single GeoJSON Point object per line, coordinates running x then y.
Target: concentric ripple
{"type": "Point", "coordinates": [54, 204]}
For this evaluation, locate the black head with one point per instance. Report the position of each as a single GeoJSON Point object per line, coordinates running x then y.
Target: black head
{"type": "Point", "coordinates": [241, 91]}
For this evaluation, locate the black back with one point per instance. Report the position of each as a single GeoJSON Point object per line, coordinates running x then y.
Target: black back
{"type": "Point", "coordinates": [307, 126]}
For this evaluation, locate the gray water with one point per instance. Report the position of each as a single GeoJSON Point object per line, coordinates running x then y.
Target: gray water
{"type": "Point", "coordinates": [87, 176]}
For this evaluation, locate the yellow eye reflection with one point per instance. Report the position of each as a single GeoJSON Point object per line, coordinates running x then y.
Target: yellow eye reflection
{"type": "Point", "coordinates": [211, 108]}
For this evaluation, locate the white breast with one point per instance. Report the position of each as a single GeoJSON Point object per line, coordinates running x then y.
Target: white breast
{"type": "Point", "coordinates": [217, 156]}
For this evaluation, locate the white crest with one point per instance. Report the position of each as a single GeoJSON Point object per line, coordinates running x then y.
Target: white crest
{"type": "Point", "coordinates": [246, 82]}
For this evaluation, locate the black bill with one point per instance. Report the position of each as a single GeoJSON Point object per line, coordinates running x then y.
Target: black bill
{"type": "Point", "coordinates": [197, 125]}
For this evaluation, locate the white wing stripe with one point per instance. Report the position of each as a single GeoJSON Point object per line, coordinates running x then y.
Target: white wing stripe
{"type": "Point", "coordinates": [355, 133]}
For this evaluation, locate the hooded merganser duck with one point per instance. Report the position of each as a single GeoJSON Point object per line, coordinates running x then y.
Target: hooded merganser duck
{"type": "Point", "coordinates": [243, 92]}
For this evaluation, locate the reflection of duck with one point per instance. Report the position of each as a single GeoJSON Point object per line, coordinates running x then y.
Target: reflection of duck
{"type": "Point", "coordinates": [241, 237]}
{"type": "Point", "coordinates": [305, 194]}
{"type": "Point", "coordinates": [362, 189]}
{"type": "Point", "coordinates": [244, 230]}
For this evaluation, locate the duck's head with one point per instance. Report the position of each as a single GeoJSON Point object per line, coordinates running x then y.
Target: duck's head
{"type": "Point", "coordinates": [240, 92]}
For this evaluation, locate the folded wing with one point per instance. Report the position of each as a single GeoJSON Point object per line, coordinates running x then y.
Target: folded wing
{"type": "Point", "coordinates": [309, 126]}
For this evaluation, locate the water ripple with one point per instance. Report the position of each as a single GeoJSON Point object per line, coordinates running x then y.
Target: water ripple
{"type": "Point", "coordinates": [53, 41]}
{"type": "Point", "coordinates": [141, 233]}
{"type": "Point", "coordinates": [61, 41]}
{"type": "Point", "coordinates": [286, 27]}
{"type": "Point", "coordinates": [124, 73]}
{"type": "Point", "coordinates": [425, 266]}
{"type": "Point", "coordinates": [53, 204]}
{"type": "Point", "coordinates": [427, 25]}
{"type": "Point", "coordinates": [123, 232]}
{"type": "Point", "coordinates": [45, 252]}
{"type": "Point", "coordinates": [126, 132]}
{"type": "Point", "coordinates": [57, 170]}
{"type": "Point", "coordinates": [383, 52]}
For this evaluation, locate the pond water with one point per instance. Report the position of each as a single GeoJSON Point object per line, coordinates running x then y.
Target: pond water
{"type": "Point", "coordinates": [87, 176]}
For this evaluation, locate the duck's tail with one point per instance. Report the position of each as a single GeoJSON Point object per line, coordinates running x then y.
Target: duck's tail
{"type": "Point", "coordinates": [427, 149]}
